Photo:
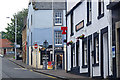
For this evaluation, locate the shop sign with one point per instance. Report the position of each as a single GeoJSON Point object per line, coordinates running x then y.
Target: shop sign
{"type": "Point", "coordinates": [113, 51]}
{"type": "Point", "coordinates": [80, 25]}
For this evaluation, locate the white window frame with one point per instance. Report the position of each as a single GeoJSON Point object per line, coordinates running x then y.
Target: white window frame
{"type": "Point", "coordinates": [85, 54]}
{"type": "Point", "coordinates": [57, 38]}
{"type": "Point", "coordinates": [58, 20]}
{"type": "Point", "coordinates": [97, 50]}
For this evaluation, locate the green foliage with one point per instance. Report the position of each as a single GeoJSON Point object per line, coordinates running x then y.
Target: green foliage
{"type": "Point", "coordinates": [10, 30]}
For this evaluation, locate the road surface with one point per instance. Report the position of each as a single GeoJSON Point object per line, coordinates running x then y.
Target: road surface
{"type": "Point", "coordinates": [13, 71]}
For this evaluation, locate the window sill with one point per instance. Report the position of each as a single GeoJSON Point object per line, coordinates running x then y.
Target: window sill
{"type": "Point", "coordinates": [100, 16]}
{"type": "Point", "coordinates": [84, 66]}
{"type": "Point", "coordinates": [88, 23]}
{"type": "Point", "coordinates": [96, 64]}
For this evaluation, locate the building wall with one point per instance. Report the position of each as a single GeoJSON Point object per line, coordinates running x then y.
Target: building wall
{"type": "Point", "coordinates": [42, 25]}
{"type": "Point", "coordinates": [79, 14]}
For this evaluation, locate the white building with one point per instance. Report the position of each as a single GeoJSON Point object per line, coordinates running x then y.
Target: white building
{"type": "Point", "coordinates": [44, 23]}
{"type": "Point", "coordinates": [91, 55]}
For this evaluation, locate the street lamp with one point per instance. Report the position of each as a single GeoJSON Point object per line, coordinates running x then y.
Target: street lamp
{"type": "Point", "coordinates": [45, 45]}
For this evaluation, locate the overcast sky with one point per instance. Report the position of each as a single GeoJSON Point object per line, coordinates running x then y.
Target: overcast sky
{"type": "Point", "coordinates": [8, 8]}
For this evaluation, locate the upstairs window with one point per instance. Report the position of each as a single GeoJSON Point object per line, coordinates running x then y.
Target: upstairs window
{"type": "Point", "coordinates": [31, 19]}
{"type": "Point", "coordinates": [72, 29]}
{"type": "Point", "coordinates": [89, 12]}
{"type": "Point", "coordinates": [100, 9]}
{"type": "Point", "coordinates": [58, 37]}
{"type": "Point", "coordinates": [58, 18]}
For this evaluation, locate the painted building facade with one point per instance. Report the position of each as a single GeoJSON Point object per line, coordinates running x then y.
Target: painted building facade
{"type": "Point", "coordinates": [114, 6]}
{"type": "Point", "coordinates": [89, 50]}
{"type": "Point", "coordinates": [44, 23]}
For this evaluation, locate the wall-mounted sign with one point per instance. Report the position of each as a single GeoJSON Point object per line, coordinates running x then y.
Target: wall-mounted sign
{"type": "Point", "coordinates": [63, 29]}
{"type": "Point", "coordinates": [80, 25]}
{"type": "Point", "coordinates": [113, 51]}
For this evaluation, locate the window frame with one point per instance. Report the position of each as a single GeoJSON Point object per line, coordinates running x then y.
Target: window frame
{"type": "Point", "coordinates": [71, 22]}
{"type": "Point", "coordinates": [84, 65]}
{"type": "Point", "coordinates": [89, 12]}
{"type": "Point", "coordinates": [96, 54]}
{"type": "Point", "coordinates": [58, 18]}
{"type": "Point", "coordinates": [58, 45]}
{"type": "Point", "coordinates": [100, 8]}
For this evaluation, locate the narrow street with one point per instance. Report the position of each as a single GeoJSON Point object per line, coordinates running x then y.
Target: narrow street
{"type": "Point", "coordinates": [11, 70]}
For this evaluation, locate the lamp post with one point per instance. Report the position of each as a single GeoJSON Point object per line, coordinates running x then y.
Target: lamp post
{"type": "Point", "coordinates": [15, 37]}
{"type": "Point", "coordinates": [45, 45]}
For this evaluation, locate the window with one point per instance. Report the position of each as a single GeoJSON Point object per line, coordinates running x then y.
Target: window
{"type": "Point", "coordinates": [31, 19]}
{"type": "Point", "coordinates": [100, 9]}
{"type": "Point", "coordinates": [28, 23]}
{"type": "Point", "coordinates": [72, 31]}
{"type": "Point", "coordinates": [77, 53]}
{"type": "Point", "coordinates": [73, 56]}
{"type": "Point", "coordinates": [89, 12]}
{"type": "Point", "coordinates": [85, 55]}
{"type": "Point", "coordinates": [58, 37]}
{"type": "Point", "coordinates": [58, 18]}
{"type": "Point", "coordinates": [96, 49]}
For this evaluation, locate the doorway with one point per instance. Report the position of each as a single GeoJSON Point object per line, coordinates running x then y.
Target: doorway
{"type": "Point", "coordinates": [59, 61]}
{"type": "Point", "coordinates": [4, 51]}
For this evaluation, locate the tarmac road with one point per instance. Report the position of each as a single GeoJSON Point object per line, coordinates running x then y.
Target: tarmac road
{"type": "Point", "coordinates": [13, 72]}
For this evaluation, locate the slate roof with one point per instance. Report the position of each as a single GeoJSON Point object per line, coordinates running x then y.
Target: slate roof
{"type": "Point", "coordinates": [48, 5]}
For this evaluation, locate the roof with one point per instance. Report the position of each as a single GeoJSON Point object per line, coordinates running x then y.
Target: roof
{"type": "Point", "coordinates": [5, 43]}
{"type": "Point", "coordinates": [74, 7]}
{"type": "Point", "coordinates": [48, 5]}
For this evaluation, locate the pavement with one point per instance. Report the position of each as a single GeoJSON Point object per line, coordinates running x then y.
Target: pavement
{"type": "Point", "coordinates": [61, 74]}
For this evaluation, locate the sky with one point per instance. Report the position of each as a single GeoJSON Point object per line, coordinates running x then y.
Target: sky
{"type": "Point", "coordinates": [8, 8]}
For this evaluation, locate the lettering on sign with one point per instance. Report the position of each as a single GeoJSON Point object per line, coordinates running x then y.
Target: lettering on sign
{"type": "Point", "coordinates": [80, 25]}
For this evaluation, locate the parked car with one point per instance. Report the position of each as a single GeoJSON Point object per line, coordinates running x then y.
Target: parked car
{"type": "Point", "coordinates": [19, 56]}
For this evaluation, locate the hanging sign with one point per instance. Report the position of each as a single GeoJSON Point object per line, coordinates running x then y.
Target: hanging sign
{"type": "Point", "coordinates": [64, 30]}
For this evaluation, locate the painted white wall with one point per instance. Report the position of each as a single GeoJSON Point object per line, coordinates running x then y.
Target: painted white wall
{"type": "Point", "coordinates": [79, 14]}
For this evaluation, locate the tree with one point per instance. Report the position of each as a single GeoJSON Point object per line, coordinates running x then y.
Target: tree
{"type": "Point", "coordinates": [10, 30]}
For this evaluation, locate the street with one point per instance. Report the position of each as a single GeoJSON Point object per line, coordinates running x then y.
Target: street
{"type": "Point", "coordinates": [11, 70]}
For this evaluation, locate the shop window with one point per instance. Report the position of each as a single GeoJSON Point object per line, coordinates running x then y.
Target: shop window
{"type": "Point", "coordinates": [77, 53]}
{"type": "Point", "coordinates": [100, 9]}
{"type": "Point", "coordinates": [89, 12]}
{"type": "Point", "coordinates": [96, 50]}
{"type": "Point", "coordinates": [73, 55]}
{"type": "Point", "coordinates": [84, 53]}
{"type": "Point", "coordinates": [58, 38]}
{"type": "Point", "coordinates": [58, 18]}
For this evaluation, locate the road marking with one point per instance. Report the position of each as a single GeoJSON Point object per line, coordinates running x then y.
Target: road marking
{"type": "Point", "coordinates": [34, 71]}
{"type": "Point", "coordinates": [20, 68]}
